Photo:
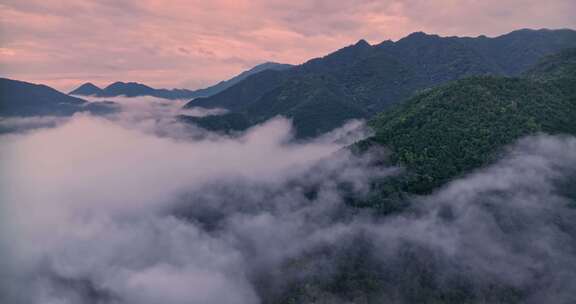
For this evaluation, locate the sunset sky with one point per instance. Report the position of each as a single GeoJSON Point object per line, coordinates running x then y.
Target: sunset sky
{"type": "Point", "coordinates": [194, 43]}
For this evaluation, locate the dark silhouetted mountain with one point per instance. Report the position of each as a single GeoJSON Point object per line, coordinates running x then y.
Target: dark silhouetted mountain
{"type": "Point", "coordinates": [128, 89]}
{"type": "Point", "coordinates": [18, 98]}
{"type": "Point", "coordinates": [87, 89]}
{"type": "Point", "coordinates": [362, 79]}
{"type": "Point", "coordinates": [133, 89]}
{"type": "Point", "coordinates": [447, 131]}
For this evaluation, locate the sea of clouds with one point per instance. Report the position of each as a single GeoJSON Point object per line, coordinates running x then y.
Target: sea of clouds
{"type": "Point", "coordinates": [136, 207]}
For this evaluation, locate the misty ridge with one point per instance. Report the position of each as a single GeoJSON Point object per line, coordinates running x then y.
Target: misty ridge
{"type": "Point", "coordinates": [139, 207]}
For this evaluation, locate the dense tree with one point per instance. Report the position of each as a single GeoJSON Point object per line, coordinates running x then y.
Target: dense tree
{"type": "Point", "coordinates": [450, 130]}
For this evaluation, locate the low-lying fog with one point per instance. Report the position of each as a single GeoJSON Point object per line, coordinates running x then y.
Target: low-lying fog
{"type": "Point", "coordinates": [136, 208]}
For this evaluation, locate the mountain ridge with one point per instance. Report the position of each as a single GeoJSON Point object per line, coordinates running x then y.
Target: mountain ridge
{"type": "Point", "coordinates": [22, 99]}
{"type": "Point", "coordinates": [135, 89]}
{"type": "Point", "coordinates": [369, 78]}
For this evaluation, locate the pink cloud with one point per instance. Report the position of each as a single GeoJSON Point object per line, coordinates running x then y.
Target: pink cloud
{"type": "Point", "coordinates": [198, 42]}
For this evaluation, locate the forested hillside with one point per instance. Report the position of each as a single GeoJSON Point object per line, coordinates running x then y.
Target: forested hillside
{"type": "Point", "coordinates": [438, 135]}
{"type": "Point", "coordinates": [450, 130]}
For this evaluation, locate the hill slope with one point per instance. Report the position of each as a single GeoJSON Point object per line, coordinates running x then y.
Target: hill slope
{"type": "Point", "coordinates": [223, 85]}
{"type": "Point", "coordinates": [363, 79]}
{"type": "Point", "coordinates": [447, 131]}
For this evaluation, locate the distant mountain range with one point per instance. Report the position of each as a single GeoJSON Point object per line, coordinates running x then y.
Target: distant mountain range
{"type": "Point", "coordinates": [19, 98]}
{"type": "Point", "coordinates": [133, 89]}
{"type": "Point", "coordinates": [361, 80]}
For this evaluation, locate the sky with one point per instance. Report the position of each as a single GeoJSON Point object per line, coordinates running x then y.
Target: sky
{"type": "Point", "coordinates": [196, 43]}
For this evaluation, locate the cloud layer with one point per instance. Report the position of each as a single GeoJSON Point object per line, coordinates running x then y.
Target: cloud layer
{"type": "Point", "coordinates": [90, 218]}
{"type": "Point", "coordinates": [195, 43]}
{"type": "Point", "coordinates": [125, 216]}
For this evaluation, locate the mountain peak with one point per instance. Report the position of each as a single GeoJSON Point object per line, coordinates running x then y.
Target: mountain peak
{"type": "Point", "coordinates": [86, 89]}
{"type": "Point", "coordinates": [129, 89]}
{"type": "Point", "coordinates": [362, 43]}
{"type": "Point", "coordinates": [268, 65]}
{"type": "Point", "coordinates": [120, 84]}
{"type": "Point", "coordinates": [89, 85]}
{"type": "Point", "coordinates": [418, 35]}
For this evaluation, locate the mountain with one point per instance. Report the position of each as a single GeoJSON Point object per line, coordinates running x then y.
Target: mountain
{"type": "Point", "coordinates": [362, 79]}
{"type": "Point", "coordinates": [87, 89]}
{"type": "Point", "coordinates": [130, 89]}
{"type": "Point", "coordinates": [18, 98]}
{"type": "Point", "coordinates": [450, 130]}
{"type": "Point", "coordinates": [134, 89]}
